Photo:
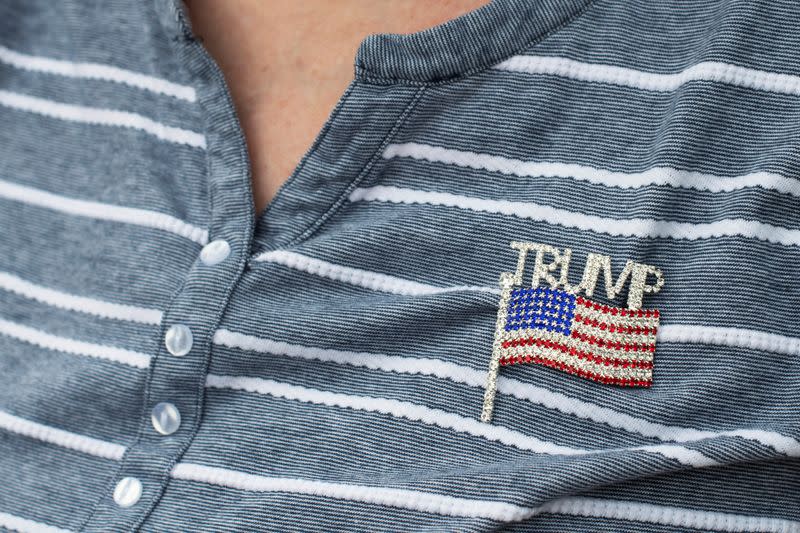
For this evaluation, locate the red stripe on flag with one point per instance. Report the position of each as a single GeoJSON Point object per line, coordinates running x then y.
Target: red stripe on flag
{"type": "Point", "coordinates": [616, 311]}
{"type": "Point", "coordinates": [613, 345]}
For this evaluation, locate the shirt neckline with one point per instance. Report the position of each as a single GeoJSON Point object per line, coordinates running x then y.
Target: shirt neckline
{"type": "Point", "coordinates": [468, 43]}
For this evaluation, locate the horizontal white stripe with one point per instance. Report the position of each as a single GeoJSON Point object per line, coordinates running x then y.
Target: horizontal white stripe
{"type": "Point", "coordinates": [22, 525]}
{"type": "Point", "coordinates": [678, 333]}
{"type": "Point", "coordinates": [100, 211]}
{"type": "Point", "coordinates": [396, 408]}
{"type": "Point", "coordinates": [72, 346]}
{"type": "Point", "coordinates": [65, 439]}
{"type": "Point", "coordinates": [97, 71]}
{"type": "Point", "coordinates": [633, 424]}
{"type": "Point", "coordinates": [426, 502]}
{"type": "Point", "coordinates": [737, 337]}
{"type": "Point", "coordinates": [710, 71]}
{"type": "Point", "coordinates": [667, 176]}
{"type": "Point", "coordinates": [401, 498]}
{"type": "Point", "coordinates": [373, 361]}
{"type": "Point", "coordinates": [102, 117]}
{"type": "Point", "coordinates": [628, 227]}
{"type": "Point", "coordinates": [71, 302]}
{"type": "Point", "coordinates": [524, 391]}
{"type": "Point", "coordinates": [361, 278]}
{"type": "Point", "coordinates": [437, 417]}
{"type": "Point", "coordinates": [668, 515]}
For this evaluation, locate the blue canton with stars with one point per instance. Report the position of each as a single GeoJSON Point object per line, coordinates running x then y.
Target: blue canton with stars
{"type": "Point", "coordinates": [541, 308]}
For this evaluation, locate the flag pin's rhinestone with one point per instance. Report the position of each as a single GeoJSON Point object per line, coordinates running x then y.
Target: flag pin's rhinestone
{"type": "Point", "coordinates": [550, 324]}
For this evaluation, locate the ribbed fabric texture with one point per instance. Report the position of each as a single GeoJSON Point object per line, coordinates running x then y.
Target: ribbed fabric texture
{"type": "Point", "coordinates": [340, 351]}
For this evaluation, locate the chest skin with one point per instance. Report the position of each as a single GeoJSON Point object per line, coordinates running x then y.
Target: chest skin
{"type": "Point", "coordinates": [286, 65]}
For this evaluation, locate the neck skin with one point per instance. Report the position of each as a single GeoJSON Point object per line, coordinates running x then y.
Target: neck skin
{"type": "Point", "coordinates": [287, 63]}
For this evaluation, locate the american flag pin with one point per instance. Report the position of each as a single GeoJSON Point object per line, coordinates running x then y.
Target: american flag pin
{"type": "Point", "coordinates": [549, 323]}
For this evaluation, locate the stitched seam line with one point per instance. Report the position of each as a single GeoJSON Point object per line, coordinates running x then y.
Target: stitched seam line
{"type": "Point", "coordinates": [362, 175]}
{"type": "Point", "coordinates": [295, 175]}
{"type": "Point", "coordinates": [364, 74]}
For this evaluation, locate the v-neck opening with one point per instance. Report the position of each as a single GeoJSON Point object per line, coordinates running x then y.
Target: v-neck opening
{"type": "Point", "coordinates": [390, 73]}
{"type": "Point", "coordinates": [468, 43]}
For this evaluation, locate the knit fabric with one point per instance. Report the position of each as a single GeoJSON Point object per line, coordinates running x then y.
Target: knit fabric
{"type": "Point", "coordinates": [339, 354]}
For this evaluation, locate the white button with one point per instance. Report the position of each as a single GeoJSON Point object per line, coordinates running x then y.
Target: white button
{"type": "Point", "coordinates": [215, 252]}
{"type": "Point", "coordinates": [165, 418]}
{"type": "Point", "coordinates": [128, 491]}
{"type": "Point", "coordinates": [178, 340]}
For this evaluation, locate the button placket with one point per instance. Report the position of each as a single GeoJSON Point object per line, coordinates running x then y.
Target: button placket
{"type": "Point", "coordinates": [176, 383]}
{"type": "Point", "coordinates": [175, 380]}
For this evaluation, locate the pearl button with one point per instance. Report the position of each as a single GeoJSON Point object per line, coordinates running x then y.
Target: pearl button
{"type": "Point", "coordinates": [178, 340]}
{"type": "Point", "coordinates": [165, 418]}
{"type": "Point", "coordinates": [215, 252]}
{"type": "Point", "coordinates": [128, 491]}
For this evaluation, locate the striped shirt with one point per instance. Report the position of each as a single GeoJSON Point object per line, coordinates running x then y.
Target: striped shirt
{"type": "Point", "coordinates": [171, 360]}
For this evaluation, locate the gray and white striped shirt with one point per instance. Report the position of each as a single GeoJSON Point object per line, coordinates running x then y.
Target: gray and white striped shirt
{"type": "Point", "coordinates": [171, 360]}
